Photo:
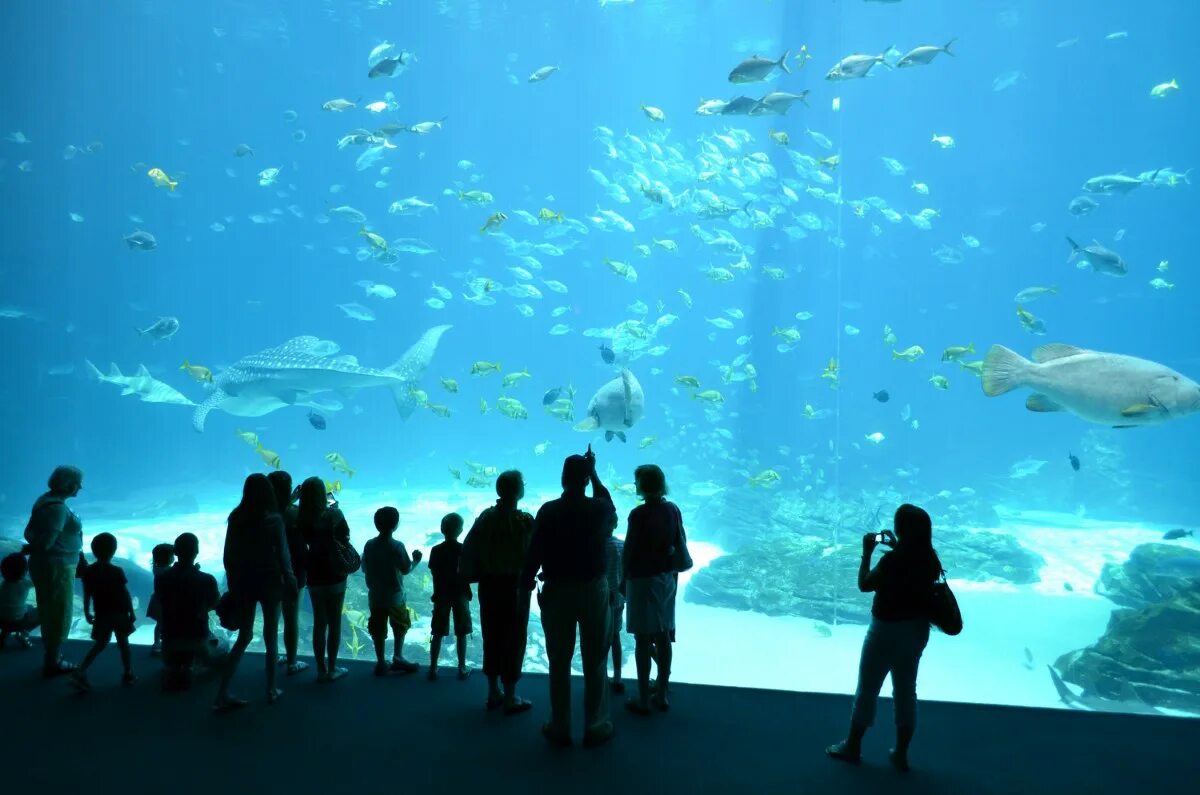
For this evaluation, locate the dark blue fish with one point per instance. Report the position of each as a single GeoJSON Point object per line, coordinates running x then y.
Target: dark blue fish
{"type": "Point", "coordinates": [316, 420]}
{"type": "Point", "coordinates": [1074, 461]}
{"type": "Point", "coordinates": [551, 396]}
{"type": "Point", "coordinates": [1178, 532]}
{"type": "Point", "coordinates": [606, 353]}
{"type": "Point", "coordinates": [882, 396]}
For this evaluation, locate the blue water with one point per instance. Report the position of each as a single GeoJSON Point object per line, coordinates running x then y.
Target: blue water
{"type": "Point", "coordinates": [178, 86]}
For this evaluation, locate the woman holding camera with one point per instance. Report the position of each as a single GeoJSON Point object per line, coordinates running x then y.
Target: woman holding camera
{"type": "Point", "coordinates": [902, 582]}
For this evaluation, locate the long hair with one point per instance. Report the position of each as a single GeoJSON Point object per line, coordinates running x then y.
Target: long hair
{"type": "Point", "coordinates": [258, 499]}
{"type": "Point", "coordinates": [914, 532]}
{"type": "Point", "coordinates": [312, 502]}
{"type": "Point", "coordinates": [281, 483]}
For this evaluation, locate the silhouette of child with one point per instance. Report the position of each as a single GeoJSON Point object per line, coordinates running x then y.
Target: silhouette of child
{"type": "Point", "coordinates": [162, 557]}
{"type": "Point", "coordinates": [185, 596]}
{"type": "Point", "coordinates": [385, 561]}
{"type": "Point", "coordinates": [17, 617]}
{"type": "Point", "coordinates": [451, 594]}
{"type": "Point", "coordinates": [105, 589]}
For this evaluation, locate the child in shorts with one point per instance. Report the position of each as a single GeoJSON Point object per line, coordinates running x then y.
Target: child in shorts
{"type": "Point", "coordinates": [17, 616]}
{"type": "Point", "coordinates": [108, 607]}
{"type": "Point", "coordinates": [161, 559]}
{"type": "Point", "coordinates": [385, 561]}
{"type": "Point", "coordinates": [451, 594]}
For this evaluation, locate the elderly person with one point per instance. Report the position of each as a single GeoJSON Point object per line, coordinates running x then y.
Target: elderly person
{"type": "Point", "coordinates": [55, 545]}
{"type": "Point", "coordinates": [494, 555]}
{"type": "Point", "coordinates": [568, 546]}
{"type": "Point", "coordinates": [655, 552]}
{"type": "Point", "coordinates": [258, 568]}
{"type": "Point", "coordinates": [903, 584]}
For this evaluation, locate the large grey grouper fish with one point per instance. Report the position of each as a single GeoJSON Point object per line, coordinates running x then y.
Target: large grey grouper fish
{"type": "Point", "coordinates": [1106, 388]}
{"type": "Point", "coordinates": [299, 371]}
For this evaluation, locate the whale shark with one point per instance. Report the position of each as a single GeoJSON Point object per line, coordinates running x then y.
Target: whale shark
{"type": "Point", "coordinates": [304, 370]}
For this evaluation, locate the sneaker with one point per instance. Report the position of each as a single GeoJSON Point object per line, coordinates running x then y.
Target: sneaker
{"type": "Point", "coordinates": [337, 673]}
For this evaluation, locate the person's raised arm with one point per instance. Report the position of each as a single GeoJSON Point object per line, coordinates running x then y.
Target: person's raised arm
{"type": "Point", "coordinates": [868, 579]}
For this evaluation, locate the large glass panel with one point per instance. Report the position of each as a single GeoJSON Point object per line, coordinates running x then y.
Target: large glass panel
{"type": "Point", "coordinates": [241, 236]}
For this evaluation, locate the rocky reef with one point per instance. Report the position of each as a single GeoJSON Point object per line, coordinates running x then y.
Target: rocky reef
{"type": "Point", "coordinates": [1150, 655]}
{"type": "Point", "coordinates": [1152, 574]}
{"type": "Point", "coordinates": [811, 577]}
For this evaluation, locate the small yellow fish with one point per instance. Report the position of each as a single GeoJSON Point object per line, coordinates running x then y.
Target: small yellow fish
{"type": "Point", "coordinates": [333, 487]}
{"type": "Point", "coordinates": [483, 368]}
{"type": "Point", "coordinates": [1164, 266]}
{"type": "Point", "coordinates": [272, 458]}
{"type": "Point", "coordinates": [909, 354]}
{"type": "Point", "coordinates": [201, 374]}
{"type": "Point", "coordinates": [956, 352]}
{"type": "Point", "coordinates": [940, 382]}
{"type": "Point", "coordinates": [765, 478]}
{"type": "Point", "coordinates": [709, 396]}
{"type": "Point", "coordinates": [779, 137]}
{"type": "Point", "coordinates": [450, 385]}
{"type": "Point", "coordinates": [441, 411]}
{"type": "Point", "coordinates": [687, 299]}
{"type": "Point", "coordinates": [513, 378]}
{"type": "Point", "coordinates": [831, 373]}
{"type": "Point", "coordinates": [690, 381]}
{"type": "Point", "coordinates": [833, 161]}
{"type": "Point", "coordinates": [161, 180]}
{"type": "Point", "coordinates": [376, 241]}
{"type": "Point", "coordinates": [483, 406]}
{"type": "Point", "coordinates": [644, 443]}
{"type": "Point", "coordinates": [803, 55]}
{"type": "Point", "coordinates": [494, 221]}
{"type": "Point", "coordinates": [339, 464]}
{"type": "Point", "coordinates": [546, 216]}
{"type": "Point", "coordinates": [249, 437]}
{"type": "Point", "coordinates": [454, 473]}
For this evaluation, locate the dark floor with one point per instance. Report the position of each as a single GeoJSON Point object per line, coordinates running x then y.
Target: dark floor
{"type": "Point", "coordinates": [363, 734]}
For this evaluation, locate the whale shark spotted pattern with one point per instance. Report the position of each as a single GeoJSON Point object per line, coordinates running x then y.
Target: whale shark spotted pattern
{"type": "Point", "coordinates": [302, 370]}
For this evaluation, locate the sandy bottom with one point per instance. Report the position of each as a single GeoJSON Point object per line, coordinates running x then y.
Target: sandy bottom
{"type": "Point", "coordinates": [1011, 632]}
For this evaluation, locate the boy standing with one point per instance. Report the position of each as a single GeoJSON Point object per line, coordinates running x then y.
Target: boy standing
{"type": "Point", "coordinates": [185, 596]}
{"type": "Point", "coordinates": [451, 594]}
{"type": "Point", "coordinates": [385, 561]}
{"type": "Point", "coordinates": [105, 589]}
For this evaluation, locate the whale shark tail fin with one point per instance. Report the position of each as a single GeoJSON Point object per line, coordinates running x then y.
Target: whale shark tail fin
{"type": "Point", "coordinates": [411, 368]}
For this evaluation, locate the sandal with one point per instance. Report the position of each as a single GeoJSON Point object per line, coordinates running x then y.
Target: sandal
{"type": "Point", "coordinates": [636, 708]}
{"type": "Point", "coordinates": [517, 706]}
{"type": "Point", "coordinates": [335, 674]}
{"type": "Point", "coordinates": [273, 695]}
{"type": "Point", "coordinates": [838, 751]}
{"type": "Point", "coordinates": [296, 667]}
